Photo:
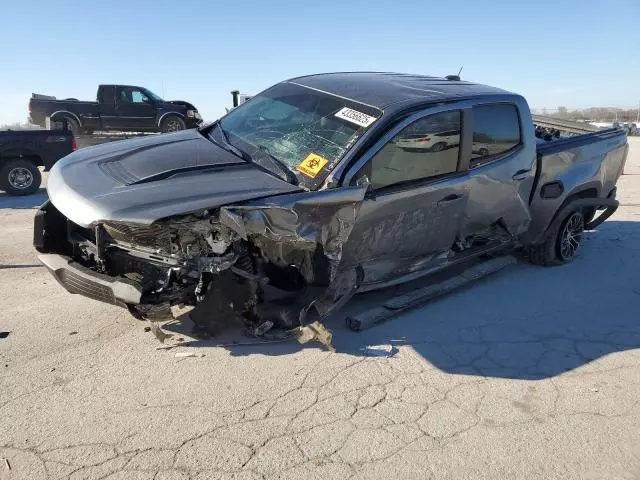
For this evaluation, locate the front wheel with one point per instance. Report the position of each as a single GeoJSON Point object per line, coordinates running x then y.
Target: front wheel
{"type": "Point", "coordinates": [562, 244]}
{"type": "Point", "coordinates": [19, 177]}
{"type": "Point", "coordinates": [438, 147]}
{"type": "Point", "coordinates": [172, 123]}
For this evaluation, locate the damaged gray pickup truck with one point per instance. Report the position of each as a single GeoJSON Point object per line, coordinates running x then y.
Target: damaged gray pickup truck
{"type": "Point", "coordinates": [317, 188]}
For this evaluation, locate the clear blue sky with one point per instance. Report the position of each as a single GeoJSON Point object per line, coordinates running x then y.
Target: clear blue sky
{"type": "Point", "coordinates": [572, 53]}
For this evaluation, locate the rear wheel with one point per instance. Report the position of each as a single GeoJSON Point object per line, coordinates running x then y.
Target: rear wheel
{"type": "Point", "coordinates": [172, 123]}
{"type": "Point", "coordinates": [19, 177]}
{"type": "Point", "coordinates": [438, 147]}
{"type": "Point", "coordinates": [562, 244]}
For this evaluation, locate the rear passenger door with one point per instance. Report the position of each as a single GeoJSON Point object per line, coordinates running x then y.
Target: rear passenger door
{"type": "Point", "coordinates": [501, 169]}
{"type": "Point", "coordinates": [412, 213]}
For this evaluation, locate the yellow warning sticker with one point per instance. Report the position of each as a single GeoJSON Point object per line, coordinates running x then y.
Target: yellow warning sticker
{"type": "Point", "coordinates": [312, 165]}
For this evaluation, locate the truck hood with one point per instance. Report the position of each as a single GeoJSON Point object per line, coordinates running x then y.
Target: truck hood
{"type": "Point", "coordinates": [144, 180]}
{"type": "Point", "coordinates": [187, 105]}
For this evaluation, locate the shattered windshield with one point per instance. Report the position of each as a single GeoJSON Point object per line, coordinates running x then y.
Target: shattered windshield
{"type": "Point", "coordinates": [296, 128]}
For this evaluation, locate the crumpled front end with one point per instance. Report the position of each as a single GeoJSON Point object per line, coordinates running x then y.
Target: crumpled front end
{"type": "Point", "coordinates": [272, 265]}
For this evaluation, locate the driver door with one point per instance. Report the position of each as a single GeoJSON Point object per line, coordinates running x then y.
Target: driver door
{"type": "Point", "coordinates": [414, 208]}
{"type": "Point", "coordinates": [134, 109]}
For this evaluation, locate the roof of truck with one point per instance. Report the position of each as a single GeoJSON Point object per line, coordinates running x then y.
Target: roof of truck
{"type": "Point", "coordinates": [382, 89]}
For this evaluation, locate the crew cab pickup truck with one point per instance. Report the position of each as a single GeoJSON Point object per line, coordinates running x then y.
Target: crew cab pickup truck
{"type": "Point", "coordinates": [121, 108]}
{"type": "Point", "coordinates": [23, 151]}
{"type": "Point", "coordinates": [306, 194]}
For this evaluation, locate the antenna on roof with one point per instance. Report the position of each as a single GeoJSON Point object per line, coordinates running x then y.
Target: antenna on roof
{"type": "Point", "coordinates": [454, 78]}
{"type": "Point", "coordinates": [460, 71]}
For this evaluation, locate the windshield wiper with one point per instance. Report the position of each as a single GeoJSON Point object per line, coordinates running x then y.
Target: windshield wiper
{"type": "Point", "coordinates": [227, 143]}
{"type": "Point", "coordinates": [291, 177]}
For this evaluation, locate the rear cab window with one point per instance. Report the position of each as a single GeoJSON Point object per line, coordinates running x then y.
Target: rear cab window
{"type": "Point", "coordinates": [496, 132]}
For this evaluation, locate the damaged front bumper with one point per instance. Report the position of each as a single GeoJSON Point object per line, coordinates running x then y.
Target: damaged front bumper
{"type": "Point", "coordinates": [81, 280]}
{"type": "Point", "coordinates": [272, 267]}
{"type": "Point", "coordinates": [75, 277]}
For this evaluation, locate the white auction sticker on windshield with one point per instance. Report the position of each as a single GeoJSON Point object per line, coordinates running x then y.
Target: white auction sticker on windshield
{"type": "Point", "coordinates": [356, 117]}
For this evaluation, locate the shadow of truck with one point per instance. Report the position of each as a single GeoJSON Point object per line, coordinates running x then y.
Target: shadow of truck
{"type": "Point", "coordinates": [526, 322]}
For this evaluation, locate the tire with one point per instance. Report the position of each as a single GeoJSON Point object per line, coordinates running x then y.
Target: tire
{"type": "Point", "coordinates": [172, 123]}
{"type": "Point", "coordinates": [560, 245]}
{"type": "Point", "coordinates": [20, 177]}
{"type": "Point", "coordinates": [438, 147]}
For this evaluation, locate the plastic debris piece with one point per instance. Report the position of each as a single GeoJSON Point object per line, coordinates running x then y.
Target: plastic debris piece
{"type": "Point", "coordinates": [189, 355]}
{"type": "Point", "coordinates": [147, 329]}
{"type": "Point", "coordinates": [4, 334]}
{"type": "Point", "coordinates": [159, 334]}
{"type": "Point", "coordinates": [263, 328]}
{"type": "Point", "coordinates": [6, 462]}
{"type": "Point", "coordinates": [316, 331]}
{"type": "Point", "coordinates": [73, 333]}
{"type": "Point", "coordinates": [380, 350]}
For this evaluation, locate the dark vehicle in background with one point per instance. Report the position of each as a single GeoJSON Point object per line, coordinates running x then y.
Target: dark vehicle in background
{"type": "Point", "coordinates": [120, 108]}
{"type": "Point", "coordinates": [308, 189]}
{"type": "Point", "coordinates": [23, 151]}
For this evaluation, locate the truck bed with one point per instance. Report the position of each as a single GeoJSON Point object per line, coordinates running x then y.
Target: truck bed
{"type": "Point", "coordinates": [44, 147]}
{"type": "Point", "coordinates": [586, 166]}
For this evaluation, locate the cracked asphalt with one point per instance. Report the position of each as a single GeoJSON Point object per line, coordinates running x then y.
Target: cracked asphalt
{"type": "Point", "coordinates": [532, 373]}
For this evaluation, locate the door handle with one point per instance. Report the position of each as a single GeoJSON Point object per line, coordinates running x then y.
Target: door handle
{"type": "Point", "coordinates": [521, 174]}
{"type": "Point", "coordinates": [450, 198]}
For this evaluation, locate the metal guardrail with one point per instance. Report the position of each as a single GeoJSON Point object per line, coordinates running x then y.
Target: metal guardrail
{"type": "Point", "coordinates": [563, 125]}
{"type": "Point", "coordinates": [98, 138]}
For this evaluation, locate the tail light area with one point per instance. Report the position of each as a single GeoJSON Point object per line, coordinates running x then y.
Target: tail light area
{"type": "Point", "coordinates": [74, 144]}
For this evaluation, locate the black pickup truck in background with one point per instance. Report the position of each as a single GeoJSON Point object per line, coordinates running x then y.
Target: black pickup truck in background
{"type": "Point", "coordinates": [23, 151]}
{"type": "Point", "coordinates": [122, 108]}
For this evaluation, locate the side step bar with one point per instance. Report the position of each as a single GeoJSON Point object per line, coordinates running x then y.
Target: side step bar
{"type": "Point", "coordinates": [402, 303]}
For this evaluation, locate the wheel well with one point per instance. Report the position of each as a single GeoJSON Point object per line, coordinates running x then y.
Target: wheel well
{"type": "Point", "coordinates": [35, 159]}
{"type": "Point", "coordinates": [63, 116]}
{"type": "Point", "coordinates": [170, 114]}
{"type": "Point", "coordinates": [590, 192]}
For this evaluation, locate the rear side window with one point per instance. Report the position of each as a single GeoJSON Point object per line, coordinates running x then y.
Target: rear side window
{"type": "Point", "coordinates": [496, 130]}
{"type": "Point", "coordinates": [106, 94]}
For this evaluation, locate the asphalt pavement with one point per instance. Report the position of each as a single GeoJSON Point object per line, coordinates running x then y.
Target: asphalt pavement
{"type": "Point", "coordinates": [532, 373]}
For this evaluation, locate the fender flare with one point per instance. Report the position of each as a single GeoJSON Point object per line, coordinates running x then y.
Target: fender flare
{"type": "Point", "coordinates": [610, 205]}
{"type": "Point", "coordinates": [64, 113]}
{"type": "Point", "coordinates": [177, 114]}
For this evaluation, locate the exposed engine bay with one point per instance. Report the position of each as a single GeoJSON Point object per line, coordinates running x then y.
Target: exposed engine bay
{"type": "Point", "coordinates": [264, 267]}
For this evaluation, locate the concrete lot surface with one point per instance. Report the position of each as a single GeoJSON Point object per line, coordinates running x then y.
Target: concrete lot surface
{"type": "Point", "coordinates": [533, 373]}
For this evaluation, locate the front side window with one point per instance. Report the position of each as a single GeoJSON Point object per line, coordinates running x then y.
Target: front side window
{"type": "Point", "coordinates": [132, 95]}
{"type": "Point", "coordinates": [305, 131]}
{"type": "Point", "coordinates": [427, 148]}
{"type": "Point", "coordinates": [496, 130]}
{"type": "Point", "coordinates": [138, 97]}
